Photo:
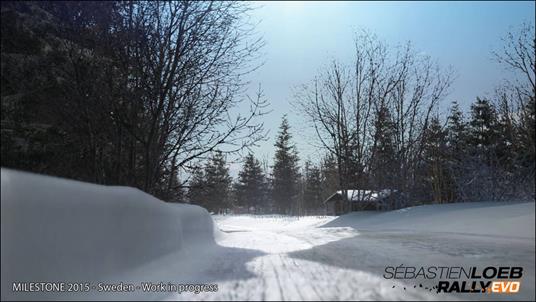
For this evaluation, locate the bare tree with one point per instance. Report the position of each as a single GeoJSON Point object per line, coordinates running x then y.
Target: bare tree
{"type": "Point", "coordinates": [516, 100]}
{"type": "Point", "coordinates": [185, 75]}
{"type": "Point", "coordinates": [420, 84]}
{"type": "Point", "coordinates": [518, 54]}
{"type": "Point", "coordinates": [343, 101]}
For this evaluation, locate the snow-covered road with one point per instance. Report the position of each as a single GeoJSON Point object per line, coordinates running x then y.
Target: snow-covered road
{"type": "Point", "coordinates": [315, 258]}
{"type": "Point", "coordinates": [304, 263]}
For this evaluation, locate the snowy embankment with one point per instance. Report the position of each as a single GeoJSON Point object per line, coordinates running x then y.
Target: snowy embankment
{"type": "Point", "coordinates": [62, 230]}
{"type": "Point", "coordinates": [482, 218]}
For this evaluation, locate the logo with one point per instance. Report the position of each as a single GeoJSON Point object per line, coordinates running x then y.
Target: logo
{"type": "Point", "coordinates": [458, 279]}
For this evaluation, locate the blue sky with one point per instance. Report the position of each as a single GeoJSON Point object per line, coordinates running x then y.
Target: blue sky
{"type": "Point", "coordinates": [303, 36]}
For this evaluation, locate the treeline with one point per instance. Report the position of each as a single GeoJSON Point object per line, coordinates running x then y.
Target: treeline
{"type": "Point", "coordinates": [379, 124]}
{"type": "Point", "coordinates": [125, 92]}
{"type": "Point", "coordinates": [484, 155]}
{"type": "Point", "coordinates": [379, 118]}
{"type": "Point", "coordinates": [283, 187]}
{"type": "Point", "coordinates": [488, 156]}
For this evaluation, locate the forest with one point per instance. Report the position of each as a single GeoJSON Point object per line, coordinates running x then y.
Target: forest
{"type": "Point", "coordinates": [144, 94]}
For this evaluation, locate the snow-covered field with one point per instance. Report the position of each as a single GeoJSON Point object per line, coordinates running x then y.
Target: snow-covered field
{"type": "Point", "coordinates": [59, 230]}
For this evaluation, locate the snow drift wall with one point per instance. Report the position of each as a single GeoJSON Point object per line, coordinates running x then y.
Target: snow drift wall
{"type": "Point", "coordinates": [62, 230]}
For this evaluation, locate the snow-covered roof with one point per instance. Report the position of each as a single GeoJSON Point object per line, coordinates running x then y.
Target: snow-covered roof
{"type": "Point", "coordinates": [363, 195]}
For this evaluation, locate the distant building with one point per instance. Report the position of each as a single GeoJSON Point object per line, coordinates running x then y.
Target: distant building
{"type": "Point", "coordinates": [362, 200]}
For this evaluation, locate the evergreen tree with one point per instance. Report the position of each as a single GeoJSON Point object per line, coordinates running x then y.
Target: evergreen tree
{"type": "Point", "coordinates": [312, 195]}
{"type": "Point", "coordinates": [251, 187]}
{"type": "Point", "coordinates": [456, 131]}
{"type": "Point", "coordinates": [436, 173]}
{"type": "Point", "coordinates": [506, 150]}
{"type": "Point", "coordinates": [481, 167]}
{"type": "Point", "coordinates": [217, 182]}
{"type": "Point", "coordinates": [329, 176]}
{"type": "Point", "coordinates": [507, 143]}
{"type": "Point", "coordinates": [171, 188]}
{"type": "Point", "coordinates": [197, 193]}
{"type": "Point", "coordinates": [526, 133]}
{"type": "Point", "coordinates": [52, 122]}
{"type": "Point", "coordinates": [285, 171]}
{"type": "Point", "coordinates": [483, 128]}
{"type": "Point", "coordinates": [457, 150]}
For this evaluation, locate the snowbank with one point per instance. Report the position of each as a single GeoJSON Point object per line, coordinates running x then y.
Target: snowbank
{"type": "Point", "coordinates": [62, 230]}
{"type": "Point", "coordinates": [483, 218]}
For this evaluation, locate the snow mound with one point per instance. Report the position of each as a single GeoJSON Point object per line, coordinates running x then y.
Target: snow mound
{"type": "Point", "coordinates": [55, 229]}
{"type": "Point", "coordinates": [481, 218]}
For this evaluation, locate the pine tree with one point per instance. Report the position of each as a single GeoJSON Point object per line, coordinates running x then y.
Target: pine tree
{"type": "Point", "coordinates": [436, 177]}
{"type": "Point", "coordinates": [525, 163]}
{"type": "Point", "coordinates": [329, 176]}
{"type": "Point", "coordinates": [483, 128]}
{"type": "Point", "coordinates": [312, 195]}
{"type": "Point", "coordinates": [197, 193]}
{"type": "Point", "coordinates": [506, 137]}
{"type": "Point", "coordinates": [482, 167]}
{"type": "Point", "coordinates": [457, 137]}
{"type": "Point", "coordinates": [171, 187]}
{"type": "Point", "coordinates": [456, 131]}
{"type": "Point", "coordinates": [251, 187]}
{"type": "Point", "coordinates": [285, 171]}
{"type": "Point", "coordinates": [528, 129]}
{"type": "Point", "coordinates": [217, 182]}
{"type": "Point", "coordinates": [506, 149]}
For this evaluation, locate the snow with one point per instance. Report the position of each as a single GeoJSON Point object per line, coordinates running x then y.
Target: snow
{"type": "Point", "coordinates": [54, 229]}
{"type": "Point", "coordinates": [344, 258]}
{"type": "Point", "coordinates": [486, 218]}
{"type": "Point", "coordinates": [57, 229]}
